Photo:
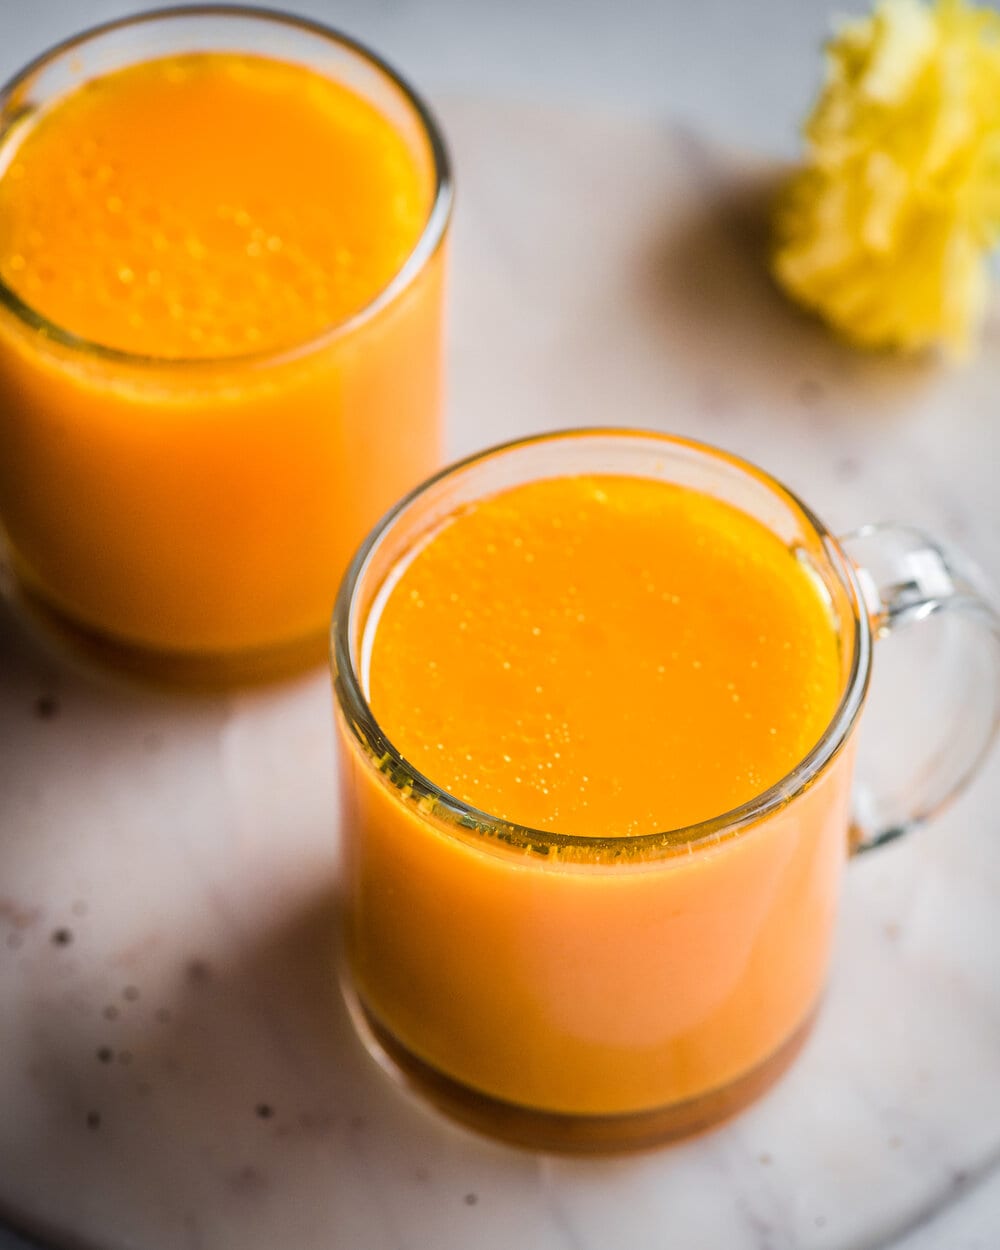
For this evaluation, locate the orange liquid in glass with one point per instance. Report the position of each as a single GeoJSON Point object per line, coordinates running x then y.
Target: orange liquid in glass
{"type": "Point", "coordinates": [604, 656]}
{"type": "Point", "coordinates": [206, 208]}
{"type": "Point", "coordinates": [208, 205]}
{"type": "Point", "coordinates": [611, 657]}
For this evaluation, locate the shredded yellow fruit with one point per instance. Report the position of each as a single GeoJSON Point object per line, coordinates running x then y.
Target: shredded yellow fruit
{"type": "Point", "coordinates": [886, 230]}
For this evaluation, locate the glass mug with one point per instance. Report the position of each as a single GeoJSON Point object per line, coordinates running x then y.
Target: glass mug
{"type": "Point", "coordinates": [205, 509]}
{"type": "Point", "coordinates": [689, 964]}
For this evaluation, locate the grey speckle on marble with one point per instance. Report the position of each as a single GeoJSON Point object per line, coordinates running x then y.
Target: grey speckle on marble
{"type": "Point", "coordinates": [176, 1071]}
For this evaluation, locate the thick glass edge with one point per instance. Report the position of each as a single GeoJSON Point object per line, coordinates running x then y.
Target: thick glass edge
{"type": "Point", "coordinates": [384, 757]}
{"type": "Point", "coordinates": [423, 251]}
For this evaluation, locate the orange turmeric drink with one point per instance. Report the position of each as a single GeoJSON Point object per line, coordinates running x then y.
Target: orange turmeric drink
{"type": "Point", "coordinates": [543, 631]}
{"type": "Point", "coordinates": [220, 305]}
{"type": "Point", "coordinates": [581, 887]}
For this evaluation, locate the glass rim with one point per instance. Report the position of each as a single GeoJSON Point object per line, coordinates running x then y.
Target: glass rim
{"type": "Point", "coordinates": [423, 250]}
{"type": "Point", "coordinates": [366, 730]}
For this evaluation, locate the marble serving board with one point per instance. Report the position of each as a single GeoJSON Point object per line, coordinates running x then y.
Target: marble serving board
{"type": "Point", "coordinates": [177, 1071]}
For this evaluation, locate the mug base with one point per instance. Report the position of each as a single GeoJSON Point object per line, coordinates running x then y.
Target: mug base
{"type": "Point", "coordinates": [191, 670]}
{"type": "Point", "coordinates": [558, 1132]}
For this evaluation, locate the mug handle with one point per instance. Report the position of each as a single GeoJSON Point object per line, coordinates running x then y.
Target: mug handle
{"type": "Point", "coordinates": [930, 716]}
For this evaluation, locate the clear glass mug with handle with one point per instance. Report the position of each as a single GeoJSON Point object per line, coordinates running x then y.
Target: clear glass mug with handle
{"type": "Point", "coordinates": [558, 990]}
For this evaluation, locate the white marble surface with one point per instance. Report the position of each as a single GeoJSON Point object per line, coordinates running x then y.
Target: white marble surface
{"type": "Point", "coordinates": [605, 271]}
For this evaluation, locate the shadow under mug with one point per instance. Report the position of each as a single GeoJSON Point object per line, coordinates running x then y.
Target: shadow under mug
{"type": "Point", "coordinates": [191, 518]}
{"type": "Point", "coordinates": [585, 993]}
